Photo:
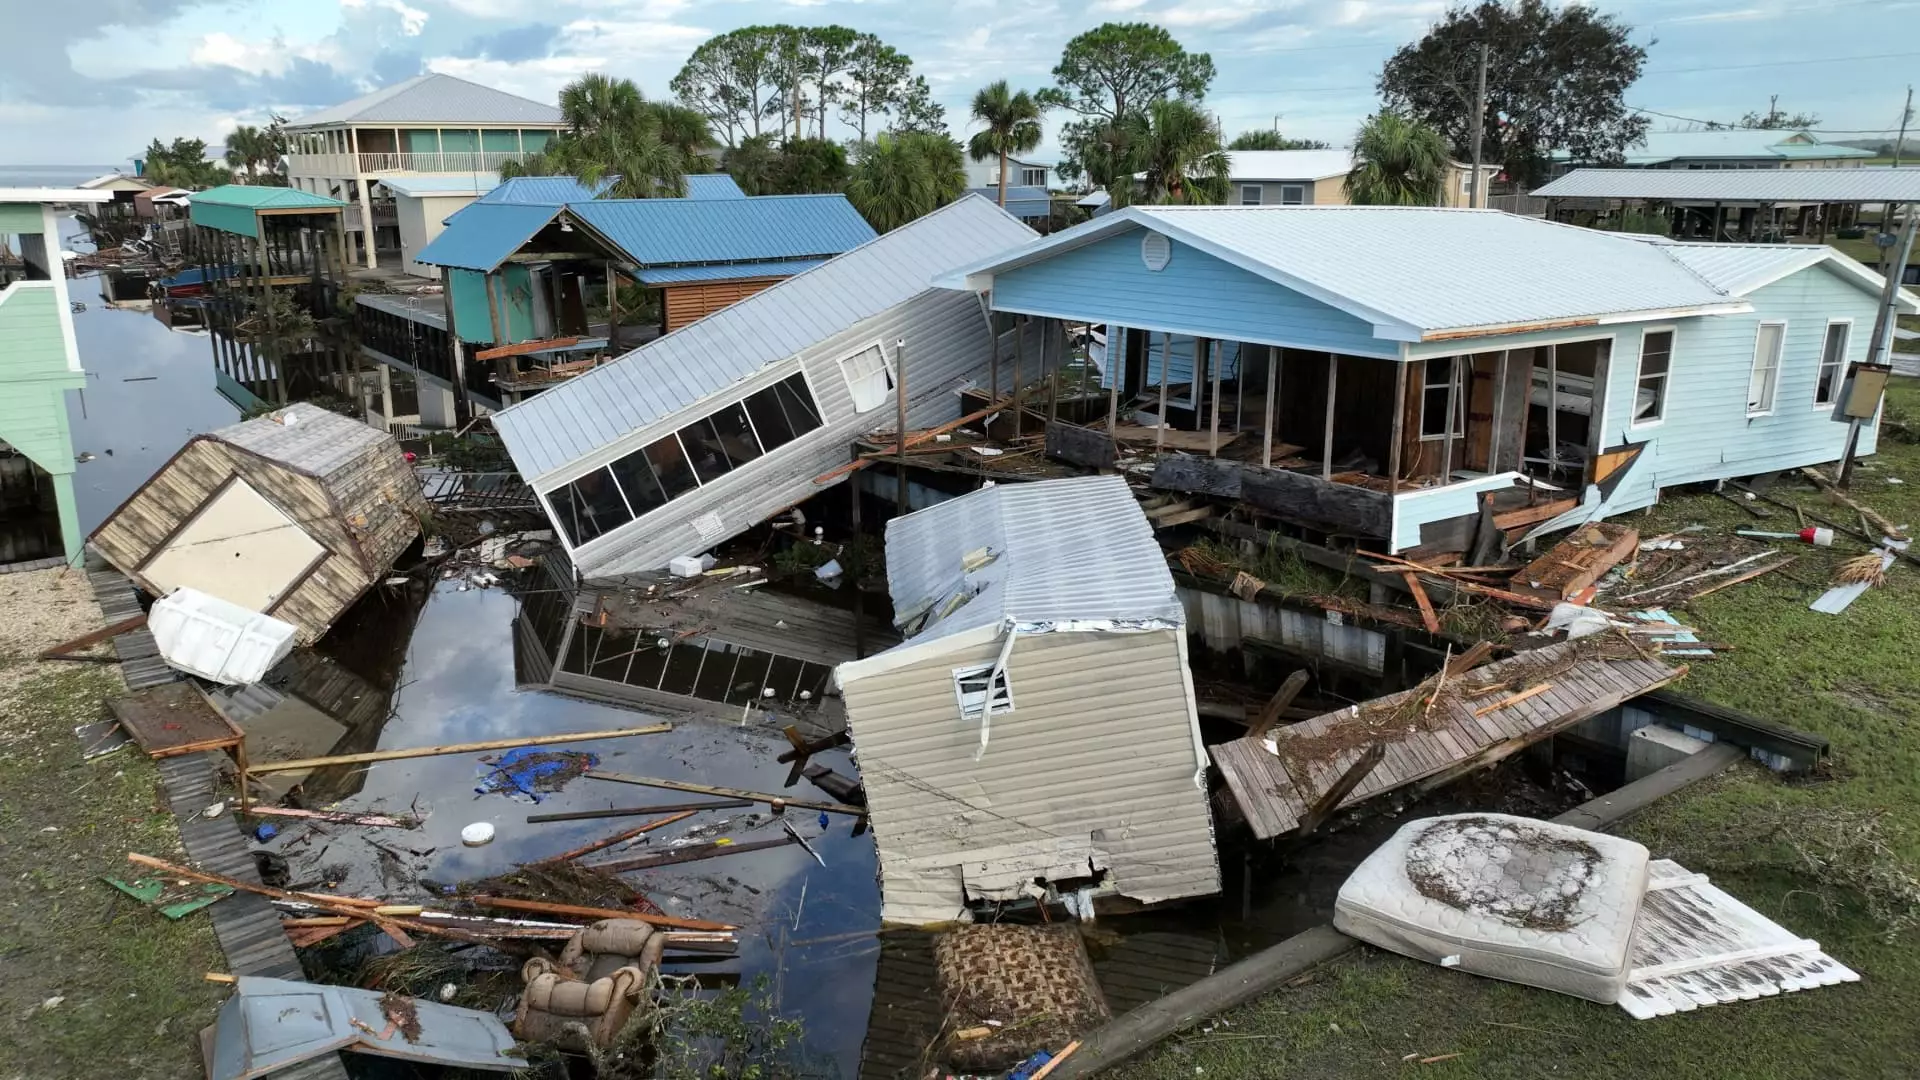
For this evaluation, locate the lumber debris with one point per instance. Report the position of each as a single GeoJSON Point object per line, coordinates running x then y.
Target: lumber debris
{"type": "Point", "coordinates": [911, 441]}
{"type": "Point", "coordinates": [337, 817]}
{"type": "Point", "coordinates": [593, 914]}
{"type": "Point", "coordinates": [453, 748]}
{"type": "Point", "coordinates": [1427, 616]}
{"type": "Point", "coordinates": [1867, 513]}
{"type": "Point", "coordinates": [1277, 705]}
{"type": "Point", "coordinates": [66, 650]}
{"type": "Point", "coordinates": [732, 793]}
{"type": "Point", "coordinates": [1513, 699]}
{"type": "Point", "coordinates": [692, 853]}
{"type": "Point", "coordinates": [597, 845]}
{"type": "Point", "coordinates": [636, 811]}
{"type": "Point", "coordinates": [1579, 561]}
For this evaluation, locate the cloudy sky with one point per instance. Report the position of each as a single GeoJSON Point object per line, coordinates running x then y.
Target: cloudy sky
{"type": "Point", "coordinates": [95, 81]}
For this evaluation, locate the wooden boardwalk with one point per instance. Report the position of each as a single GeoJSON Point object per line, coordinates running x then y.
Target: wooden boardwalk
{"type": "Point", "coordinates": [140, 662]}
{"type": "Point", "coordinates": [1275, 789]}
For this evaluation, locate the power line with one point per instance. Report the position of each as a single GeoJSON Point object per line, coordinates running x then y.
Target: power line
{"type": "Point", "coordinates": [1725, 125]}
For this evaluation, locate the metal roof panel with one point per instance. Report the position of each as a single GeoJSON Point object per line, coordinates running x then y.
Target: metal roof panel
{"type": "Point", "coordinates": [482, 235]}
{"type": "Point", "coordinates": [656, 231]}
{"type": "Point", "coordinates": [1739, 185]}
{"type": "Point", "coordinates": [435, 98]}
{"type": "Point", "coordinates": [680, 275]}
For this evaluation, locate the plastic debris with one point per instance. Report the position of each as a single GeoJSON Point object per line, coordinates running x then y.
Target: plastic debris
{"type": "Point", "coordinates": [265, 831]}
{"type": "Point", "coordinates": [528, 772]}
{"type": "Point", "coordinates": [476, 834]}
{"type": "Point", "coordinates": [828, 570]}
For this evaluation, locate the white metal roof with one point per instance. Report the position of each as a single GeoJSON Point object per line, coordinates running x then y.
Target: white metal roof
{"type": "Point", "coordinates": [441, 186]}
{"type": "Point", "coordinates": [1739, 269]}
{"type": "Point", "coordinates": [1740, 185]}
{"type": "Point", "coordinates": [1416, 273]}
{"type": "Point", "coordinates": [1074, 549]}
{"type": "Point", "coordinates": [706, 357]}
{"type": "Point", "coordinates": [53, 195]}
{"type": "Point", "coordinates": [435, 99]}
{"type": "Point", "coordinates": [1736, 143]}
{"type": "Point", "coordinates": [1288, 164]}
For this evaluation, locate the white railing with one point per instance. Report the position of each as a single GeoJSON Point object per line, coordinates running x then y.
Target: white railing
{"type": "Point", "coordinates": [345, 164]}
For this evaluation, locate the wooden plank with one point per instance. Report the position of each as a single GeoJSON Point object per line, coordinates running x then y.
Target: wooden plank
{"type": "Point", "coordinates": [1427, 616]}
{"type": "Point", "coordinates": [691, 853]}
{"type": "Point", "coordinates": [174, 719]}
{"type": "Point", "coordinates": [635, 811]}
{"type": "Point", "coordinates": [607, 842]}
{"type": "Point", "coordinates": [735, 793]}
{"type": "Point", "coordinates": [1317, 502]}
{"type": "Point", "coordinates": [454, 748]}
{"type": "Point", "coordinates": [66, 649]}
{"type": "Point", "coordinates": [1513, 699]}
{"type": "Point", "coordinates": [1276, 705]}
{"type": "Point", "coordinates": [1533, 515]}
{"type": "Point", "coordinates": [593, 914]}
{"type": "Point", "coordinates": [1081, 446]}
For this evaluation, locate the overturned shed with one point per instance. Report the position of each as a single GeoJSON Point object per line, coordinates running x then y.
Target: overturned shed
{"type": "Point", "coordinates": [695, 437]}
{"type": "Point", "coordinates": [1038, 725]}
{"type": "Point", "coordinates": [293, 514]}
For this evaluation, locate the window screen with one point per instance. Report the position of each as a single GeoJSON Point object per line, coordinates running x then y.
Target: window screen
{"type": "Point", "coordinates": [868, 379]}
{"type": "Point", "coordinates": [670, 465]}
{"type": "Point", "coordinates": [709, 458]}
{"type": "Point", "coordinates": [1766, 368]}
{"type": "Point", "coordinates": [1833, 365]}
{"type": "Point", "coordinates": [636, 478]}
{"type": "Point", "coordinates": [1441, 377]}
{"type": "Point", "coordinates": [735, 435]}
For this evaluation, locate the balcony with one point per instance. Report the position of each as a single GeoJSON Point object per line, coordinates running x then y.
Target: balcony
{"type": "Point", "coordinates": [342, 165]}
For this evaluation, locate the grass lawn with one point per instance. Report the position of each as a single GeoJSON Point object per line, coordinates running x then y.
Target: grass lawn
{"type": "Point", "coordinates": [1854, 678]}
{"type": "Point", "coordinates": [128, 982]}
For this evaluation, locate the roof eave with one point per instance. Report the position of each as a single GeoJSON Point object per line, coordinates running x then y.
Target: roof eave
{"type": "Point", "coordinates": [1575, 322]}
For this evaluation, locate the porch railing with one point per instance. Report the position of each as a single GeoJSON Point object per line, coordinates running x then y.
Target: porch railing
{"type": "Point", "coordinates": [349, 164]}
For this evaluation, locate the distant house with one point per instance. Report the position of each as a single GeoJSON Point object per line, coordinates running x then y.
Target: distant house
{"type": "Point", "coordinates": [121, 186]}
{"type": "Point", "coordinates": [1033, 205]}
{"type": "Point", "coordinates": [695, 437]}
{"type": "Point", "coordinates": [428, 125]}
{"type": "Point", "coordinates": [1032, 174]}
{"type": "Point", "coordinates": [39, 363]}
{"type": "Point", "coordinates": [1037, 727]}
{"type": "Point", "coordinates": [422, 205]}
{"type": "Point", "coordinates": [1319, 177]}
{"type": "Point", "coordinates": [1492, 355]}
{"type": "Point", "coordinates": [1734, 149]}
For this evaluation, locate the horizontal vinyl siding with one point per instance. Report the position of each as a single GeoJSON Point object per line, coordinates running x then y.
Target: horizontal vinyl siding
{"type": "Point", "coordinates": [21, 219]}
{"type": "Point", "coordinates": [1196, 293]}
{"type": "Point", "coordinates": [1707, 434]}
{"type": "Point", "coordinates": [947, 346]}
{"type": "Point", "coordinates": [34, 375]}
{"type": "Point", "coordinates": [1098, 746]}
{"type": "Point", "coordinates": [1412, 510]}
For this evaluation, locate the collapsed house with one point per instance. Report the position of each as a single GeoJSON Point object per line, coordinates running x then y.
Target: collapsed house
{"type": "Point", "coordinates": [696, 436]}
{"type": "Point", "coordinates": [1390, 373]}
{"type": "Point", "coordinates": [1038, 725]}
{"type": "Point", "coordinates": [293, 514]}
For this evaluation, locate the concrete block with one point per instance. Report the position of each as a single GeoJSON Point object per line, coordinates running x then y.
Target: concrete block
{"type": "Point", "coordinates": [1656, 746]}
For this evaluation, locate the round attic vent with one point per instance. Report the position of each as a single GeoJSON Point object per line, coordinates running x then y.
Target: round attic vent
{"type": "Point", "coordinates": [1155, 250]}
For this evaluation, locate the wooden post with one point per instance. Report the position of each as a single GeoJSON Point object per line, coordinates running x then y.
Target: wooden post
{"type": "Point", "coordinates": [859, 595]}
{"type": "Point", "coordinates": [1883, 321]}
{"type": "Point", "coordinates": [1019, 360]}
{"type": "Point", "coordinates": [1160, 432]}
{"type": "Point", "coordinates": [1454, 369]}
{"type": "Point", "coordinates": [613, 308]}
{"type": "Point", "coordinates": [993, 365]}
{"type": "Point", "coordinates": [900, 422]}
{"type": "Point", "coordinates": [462, 411]}
{"type": "Point", "coordinates": [1240, 388]}
{"type": "Point", "coordinates": [1326, 448]}
{"type": "Point", "coordinates": [1196, 388]}
{"type": "Point", "coordinates": [1273, 384]}
{"type": "Point", "coordinates": [494, 315]}
{"type": "Point", "coordinates": [1213, 368]}
{"type": "Point", "coordinates": [1053, 369]}
{"type": "Point", "coordinates": [1499, 409]}
{"type": "Point", "coordinates": [1397, 451]}
{"type": "Point", "coordinates": [1115, 355]}
{"type": "Point", "coordinates": [1553, 399]}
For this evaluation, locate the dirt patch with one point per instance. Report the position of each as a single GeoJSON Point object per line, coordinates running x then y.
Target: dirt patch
{"type": "Point", "coordinates": [39, 609]}
{"type": "Point", "coordinates": [1518, 874]}
{"type": "Point", "coordinates": [400, 1012]}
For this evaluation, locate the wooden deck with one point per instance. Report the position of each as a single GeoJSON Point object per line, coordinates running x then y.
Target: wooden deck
{"type": "Point", "coordinates": [140, 662]}
{"type": "Point", "coordinates": [172, 719]}
{"type": "Point", "coordinates": [1275, 794]}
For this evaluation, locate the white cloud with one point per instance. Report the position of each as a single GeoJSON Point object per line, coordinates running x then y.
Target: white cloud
{"type": "Point", "coordinates": [1207, 15]}
{"type": "Point", "coordinates": [412, 19]}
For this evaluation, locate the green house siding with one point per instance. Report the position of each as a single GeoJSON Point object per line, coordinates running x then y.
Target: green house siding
{"type": "Point", "coordinates": [19, 218]}
{"type": "Point", "coordinates": [239, 220]}
{"type": "Point", "coordinates": [513, 293]}
{"type": "Point", "coordinates": [34, 379]}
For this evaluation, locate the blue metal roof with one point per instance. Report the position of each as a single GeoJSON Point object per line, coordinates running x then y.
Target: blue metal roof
{"type": "Point", "coordinates": [1023, 202]}
{"type": "Point", "coordinates": [483, 234]}
{"type": "Point", "coordinates": [666, 231]}
{"type": "Point", "coordinates": [561, 190]}
{"type": "Point", "coordinates": [680, 275]}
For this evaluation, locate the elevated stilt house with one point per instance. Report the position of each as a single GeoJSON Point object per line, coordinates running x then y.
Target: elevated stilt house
{"type": "Point", "coordinates": [1038, 725]}
{"type": "Point", "coordinates": [695, 437]}
{"type": "Point", "coordinates": [1392, 374]}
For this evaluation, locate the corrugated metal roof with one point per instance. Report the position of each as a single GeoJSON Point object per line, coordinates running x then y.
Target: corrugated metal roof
{"type": "Point", "coordinates": [1022, 201]}
{"type": "Point", "coordinates": [1738, 269]}
{"type": "Point", "coordinates": [655, 231]}
{"type": "Point", "coordinates": [1659, 146]}
{"type": "Point", "coordinates": [1739, 185]}
{"type": "Point", "coordinates": [1073, 549]}
{"type": "Point", "coordinates": [561, 190]}
{"type": "Point", "coordinates": [306, 437]}
{"type": "Point", "coordinates": [434, 98]}
{"type": "Point", "coordinates": [592, 410]}
{"type": "Point", "coordinates": [1288, 164]}
{"type": "Point", "coordinates": [713, 186]}
{"type": "Point", "coordinates": [467, 184]}
{"type": "Point", "coordinates": [1414, 271]}
{"type": "Point", "coordinates": [482, 235]}
{"type": "Point", "coordinates": [680, 275]}
{"type": "Point", "coordinates": [259, 197]}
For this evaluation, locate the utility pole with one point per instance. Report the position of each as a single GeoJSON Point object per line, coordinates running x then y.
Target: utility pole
{"type": "Point", "coordinates": [1906, 114]}
{"type": "Point", "coordinates": [1474, 195]}
{"type": "Point", "coordinates": [1883, 321]}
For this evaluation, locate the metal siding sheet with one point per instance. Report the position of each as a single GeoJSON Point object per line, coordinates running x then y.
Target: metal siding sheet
{"type": "Point", "coordinates": [586, 414]}
{"type": "Point", "coordinates": [654, 231]}
{"type": "Point", "coordinates": [482, 235]}
{"type": "Point", "coordinates": [1739, 185]}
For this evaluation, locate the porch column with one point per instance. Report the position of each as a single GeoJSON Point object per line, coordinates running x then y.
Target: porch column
{"type": "Point", "coordinates": [1394, 451]}
{"type": "Point", "coordinates": [1453, 411]}
{"type": "Point", "coordinates": [1273, 382]}
{"type": "Point", "coordinates": [1213, 365]}
{"type": "Point", "coordinates": [1326, 451]}
{"type": "Point", "coordinates": [1160, 430]}
{"type": "Point", "coordinates": [71, 538]}
{"type": "Point", "coordinates": [1196, 390]}
{"type": "Point", "coordinates": [1116, 351]}
{"type": "Point", "coordinates": [386, 394]}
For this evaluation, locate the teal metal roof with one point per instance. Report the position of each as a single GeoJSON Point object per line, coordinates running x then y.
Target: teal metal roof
{"type": "Point", "coordinates": [655, 232]}
{"type": "Point", "coordinates": [482, 235]}
{"type": "Point", "coordinates": [681, 275]}
{"type": "Point", "coordinates": [265, 198]}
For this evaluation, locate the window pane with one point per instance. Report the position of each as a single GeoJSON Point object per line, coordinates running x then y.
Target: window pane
{"type": "Point", "coordinates": [637, 480]}
{"type": "Point", "coordinates": [736, 436]}
{"type": "Point", "coordinates": [670, 465]}
{"type": "Point", "coordinates": [802, 414]}
{"type": "Point", "coordinates": [868, 379]}
{"type": "Point", "coordinates": [500, 142]}
{"type": "Point", "coordinates": [1293, 195]}
{"type": "Point", "coordinates": [1766, 366]}
{"type": "Point", "coordinates": [1250, 194]}
{"type": "Point", "coordinates": [703, 447]}
{"type": "Point", "coordinates": [1655, 353]}
{"type": "Point", "coordinates": [589, 506]}
{"type": "Point", "coordinates": [769, 419]}
{"type": "Point", "coordinates": [1433, 411]}
{"type": "Point", "coordinates": [534, 141]}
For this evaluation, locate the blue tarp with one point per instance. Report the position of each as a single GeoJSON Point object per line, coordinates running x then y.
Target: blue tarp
{"type": "Point", "coordinates": [529, 771]}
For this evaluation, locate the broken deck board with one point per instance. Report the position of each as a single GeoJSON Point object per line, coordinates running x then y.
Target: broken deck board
{"type": "Point", "coordinates": [1578, 561]}
{"type": "Point", "coordinates": [1274, 800]}
{"type": "Point", "coordinates": [174, 718]}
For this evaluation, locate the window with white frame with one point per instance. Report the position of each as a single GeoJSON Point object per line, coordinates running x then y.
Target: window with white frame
{"type": "Point", "coordinates": [1833, 364]}
{"type": "Point", "coordinates": [869, 379]}
{"type": "Point", "coordinates": [1650, 389]}
{"type": "Point", "coordinates": [1293, 194]}
{"type": "Point", "coordinates": [1249, 194]}
{"type": "Point", "coordinates": [982, 691]}
{"type": "Point", "coordinates": [1440, 379]}
{"type": "Point", "coordinates": [1033, 176]}
{"type": "Point", "coordinates": [1765, 379]}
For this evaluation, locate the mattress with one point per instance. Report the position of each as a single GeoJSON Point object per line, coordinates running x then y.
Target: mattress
{"type": "Point", "coordinates": [1506, 897]}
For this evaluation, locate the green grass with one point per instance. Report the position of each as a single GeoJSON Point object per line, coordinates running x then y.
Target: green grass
{"type": "Point", "coordinates": [1853, 678]}
{"type": "Point", "coordinates": [131, 980]}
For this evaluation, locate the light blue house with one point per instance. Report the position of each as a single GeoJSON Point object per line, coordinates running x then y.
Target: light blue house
{"type": "Point", "coordinates": [1385, 373]}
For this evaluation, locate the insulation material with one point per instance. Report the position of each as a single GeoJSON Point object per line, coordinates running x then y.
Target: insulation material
{"type": "Point", "coordinates": [1032, 987]}
{"type": "Point", "coordinates": [1507, 897]}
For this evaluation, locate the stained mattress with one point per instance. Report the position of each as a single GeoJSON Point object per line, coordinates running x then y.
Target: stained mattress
{"type": "Point", "coordinates": [1506, 897]}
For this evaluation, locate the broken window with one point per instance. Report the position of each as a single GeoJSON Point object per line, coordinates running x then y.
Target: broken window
{"type": "Point", "coordinates": [868, 378]}
{"type": "Point", "coordinates": [589, 506]}
{"type": "Point", "coordinates": [1441, 379]}
{"type": "Point", "coordinates": [982, 691]}
{"type": "Point", "coordinates": [1833, 363]}
{"type": "Point", "coordinates": [737, 441]}
{"type": "Point", "coordinates": [1766, 367]}
{"type": "Point", "coordinates": [1650, 390]}
{"type": "Point", "coordinates": [702, 441]}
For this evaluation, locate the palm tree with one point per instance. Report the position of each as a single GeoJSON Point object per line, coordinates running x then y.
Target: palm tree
{"type": "Point", "coordinates": [1178, 149]}
{"type": "Point", "coordinates": [614, 133]}
{"type": "Point", "coordinates": [1013, 126]}
{"type": "Point", "coordinates": [246, 150]}
{"type": "Point", "coordinates": [899, 177]}
{"type": "Point", "coordinates": [1398, 162]}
